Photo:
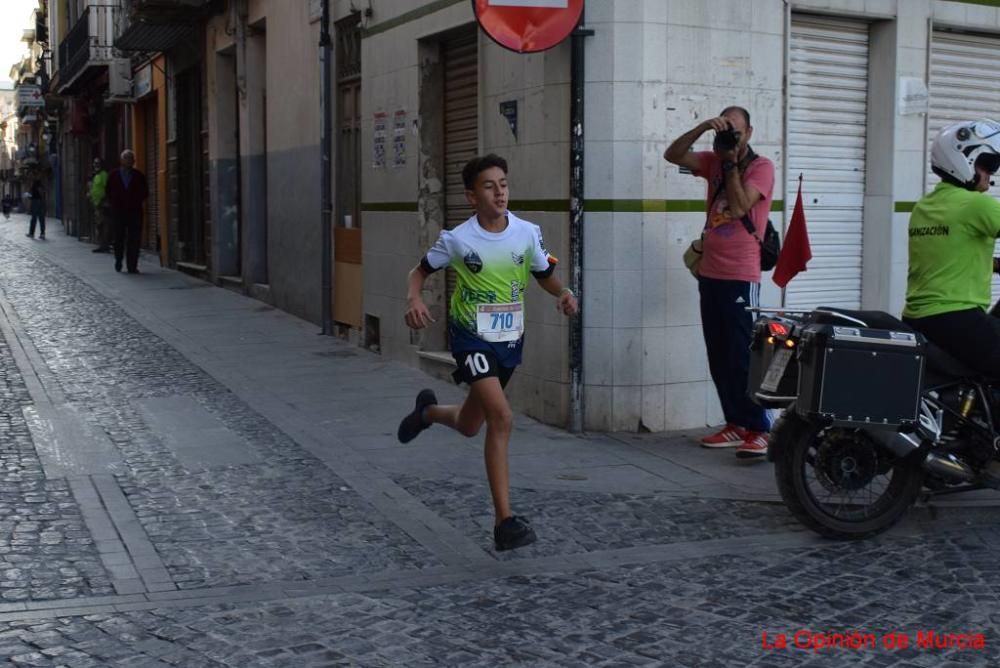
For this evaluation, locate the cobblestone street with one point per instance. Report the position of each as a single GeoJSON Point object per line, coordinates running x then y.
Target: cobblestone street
{"type": "Point", "coordinates": [192, 478]}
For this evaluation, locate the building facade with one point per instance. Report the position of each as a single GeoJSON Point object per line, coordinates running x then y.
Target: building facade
{"type": "Point", "coordinates": [88, 83]}
{"type": "Point", "coordinates": [263, 120]}
{"type": "Point", "coordinates": [128, 74]}
{"type": "Point", "coordinates": [846, 93]}
{"type": "Point", "coordinates": [223, 104]}
{"type": "Point", "coordinates": [31, 137]}
{"type": "Point", "coordinates": [8, 141]}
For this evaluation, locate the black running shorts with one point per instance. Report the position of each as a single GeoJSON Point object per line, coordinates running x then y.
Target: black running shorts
{"type": "Point", "coordinates": [475, 365]}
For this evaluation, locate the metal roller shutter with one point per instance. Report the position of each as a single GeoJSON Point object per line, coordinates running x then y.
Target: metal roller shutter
{"type": "Point", "coordinates": [962, 88]}
{"type": "Point", "coordinates": [461, 126]}
{"type": "Point", "coordinates": [827, 123]}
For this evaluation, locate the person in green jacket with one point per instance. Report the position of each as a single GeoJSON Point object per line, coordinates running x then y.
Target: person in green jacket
{"type": "Point", "coordinates": [97, 192]}
{"type": "Point", "coordinates": [953, 232]}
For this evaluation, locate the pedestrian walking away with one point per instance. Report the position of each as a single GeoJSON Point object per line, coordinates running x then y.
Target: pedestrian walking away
{"type": "Point", "coordinates": [97, 189]}
{"type": "Point", "coordinates": [493, 255]}
{"type": "Point", "coordinates": [37, 207]}
{"type": "Point", "coordinates": [738, 200]}
{"type": "Point", "coordinates": [126, 191]}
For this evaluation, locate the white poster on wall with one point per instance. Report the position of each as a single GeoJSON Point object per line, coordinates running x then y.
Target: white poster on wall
{"type": "Point", "coordinates": [913, 96]}
{"type": "Point", "coordinates": [378, 139]}
{"type": "Point", "coordinates": [399, 138]}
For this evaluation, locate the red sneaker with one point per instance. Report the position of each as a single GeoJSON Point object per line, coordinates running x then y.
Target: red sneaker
{"type": "Point", "coordinates": [728, 437]}
{"type": "Point", "coordinates": [754, 446]}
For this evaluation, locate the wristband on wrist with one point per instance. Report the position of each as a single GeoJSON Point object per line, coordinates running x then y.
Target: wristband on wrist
{"type": "Point", "coordinates": [728, 165]}
{"type": "Point", "coordinates": [567, 291]}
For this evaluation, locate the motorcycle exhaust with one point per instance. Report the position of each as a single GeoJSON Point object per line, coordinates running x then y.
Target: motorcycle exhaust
{"type": "Point", "coordinates": [945, 465]}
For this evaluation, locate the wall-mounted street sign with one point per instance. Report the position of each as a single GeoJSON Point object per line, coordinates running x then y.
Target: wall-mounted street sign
{"type": "Point", "coordinates": [30, 95]}
{"type": "Point", "coordinates": [527, 26]}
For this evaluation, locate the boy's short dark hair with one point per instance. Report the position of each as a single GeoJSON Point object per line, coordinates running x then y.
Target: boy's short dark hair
{"type": "Point", "coordinates": [479, 164]}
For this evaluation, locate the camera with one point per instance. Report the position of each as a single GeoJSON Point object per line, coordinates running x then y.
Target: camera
{"type": "Point", "coordinates": [726, 140]}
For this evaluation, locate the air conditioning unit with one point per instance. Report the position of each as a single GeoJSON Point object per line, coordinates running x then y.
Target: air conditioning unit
{"type": "Point", "coordinates": [120, 78]}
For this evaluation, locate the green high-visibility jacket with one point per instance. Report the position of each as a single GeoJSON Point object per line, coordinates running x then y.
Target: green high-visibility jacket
{"type": "Point", "coordinates": [98, 187]}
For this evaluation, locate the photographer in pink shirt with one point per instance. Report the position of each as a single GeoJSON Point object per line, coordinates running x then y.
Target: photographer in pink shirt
{"type": "Point", "coordinates": [740, 183]}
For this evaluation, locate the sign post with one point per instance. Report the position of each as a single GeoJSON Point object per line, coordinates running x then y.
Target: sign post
{"type": "Point", "coordinates": [528, 26]}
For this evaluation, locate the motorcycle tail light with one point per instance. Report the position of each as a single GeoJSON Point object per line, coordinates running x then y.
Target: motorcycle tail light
{"type": "Point", "coordinates": [777, 329]}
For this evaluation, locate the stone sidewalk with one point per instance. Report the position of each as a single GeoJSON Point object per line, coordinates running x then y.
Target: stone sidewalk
{"type": "Point", "coordinates": [343, 403]}
{"type": "Point", "coordinates": [184, 443]}
{"type": "Point", "coordinates": [346, 402]}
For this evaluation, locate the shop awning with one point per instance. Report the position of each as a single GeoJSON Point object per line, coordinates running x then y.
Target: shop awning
{"type": "Point", "coordinates": [152, 37]}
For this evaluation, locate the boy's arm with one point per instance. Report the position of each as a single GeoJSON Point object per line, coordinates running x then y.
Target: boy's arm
{"type": "Point", "coordinates": [417, 315]}
{"type": "Point", "coordinates": [567, 300]}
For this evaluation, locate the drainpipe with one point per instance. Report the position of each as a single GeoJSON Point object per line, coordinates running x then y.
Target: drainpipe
{"type": "Point", "coordinates": [576, 205]}
{"type": "Point", "coordinates": [326, 151]}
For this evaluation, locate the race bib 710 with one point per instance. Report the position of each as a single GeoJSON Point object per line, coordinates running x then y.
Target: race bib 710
{"type": "Point", "coordinates": [499, 322]}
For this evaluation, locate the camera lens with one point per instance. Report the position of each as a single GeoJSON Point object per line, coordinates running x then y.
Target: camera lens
{"type": "Point", "coordinates": [726, 140]}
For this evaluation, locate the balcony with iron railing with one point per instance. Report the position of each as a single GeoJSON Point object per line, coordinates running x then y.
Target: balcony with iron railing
{"type": "Point", "coordinates": [88, 45]}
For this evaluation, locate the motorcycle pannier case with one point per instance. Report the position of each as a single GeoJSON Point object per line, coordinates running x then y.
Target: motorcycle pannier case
{"type": "Point", "coordinates": [771, 383]}
{"type": "Point", "coordinates": [856, 376]}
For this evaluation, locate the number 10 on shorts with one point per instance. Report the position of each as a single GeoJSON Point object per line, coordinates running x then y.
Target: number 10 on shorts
{"type": "Point", "coordinates": [477, 363]}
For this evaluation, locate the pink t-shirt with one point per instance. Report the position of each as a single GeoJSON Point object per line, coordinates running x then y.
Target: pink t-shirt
{"type": "Point", "coordinates": [730, 253]}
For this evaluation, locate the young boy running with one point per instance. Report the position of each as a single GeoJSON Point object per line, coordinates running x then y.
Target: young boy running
{"type": "Point", "coordinates": [492, 255]}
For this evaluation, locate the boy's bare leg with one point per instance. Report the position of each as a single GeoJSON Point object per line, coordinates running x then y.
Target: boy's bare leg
{"type": "Point", "coordinates": [488, 394]}
{"type": "Point", "coordinates": [486, 403]}
{"type": "Point", "coordinates": [466, 418]}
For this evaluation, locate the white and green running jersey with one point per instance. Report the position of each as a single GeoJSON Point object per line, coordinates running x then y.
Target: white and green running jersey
{"type": "Point", "coordinates": [491, 268]}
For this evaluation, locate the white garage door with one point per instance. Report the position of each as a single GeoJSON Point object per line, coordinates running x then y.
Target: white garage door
{"type": "Point", "coordinates": [963, 88]}
{"type": "Point", "coordinates": [827, 119]}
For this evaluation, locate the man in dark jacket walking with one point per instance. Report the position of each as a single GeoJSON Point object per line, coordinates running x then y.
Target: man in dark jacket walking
{"type": "Point", "coordinates": [126, 192]}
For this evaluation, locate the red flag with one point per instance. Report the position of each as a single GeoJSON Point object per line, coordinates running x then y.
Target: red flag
{"type": "Point", "coordinates": [795, 252]}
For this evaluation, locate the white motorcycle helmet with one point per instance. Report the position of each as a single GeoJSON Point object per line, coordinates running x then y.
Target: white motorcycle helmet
{"type": "Point", "coordinates": [958, 146]}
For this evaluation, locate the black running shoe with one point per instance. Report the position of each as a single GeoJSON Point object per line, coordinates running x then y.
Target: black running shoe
{"type": "Point", "coordinates": [513, 532]}
{"type": "Point", "coordinates": [414, 423]}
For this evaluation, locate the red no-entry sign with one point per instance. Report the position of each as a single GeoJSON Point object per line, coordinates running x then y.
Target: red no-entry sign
{"type": "Point", "coordinates": [527, 26]}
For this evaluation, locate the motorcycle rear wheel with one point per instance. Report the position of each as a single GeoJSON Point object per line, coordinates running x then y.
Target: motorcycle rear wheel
{"type": "Point", "coordinates": [845, 463]}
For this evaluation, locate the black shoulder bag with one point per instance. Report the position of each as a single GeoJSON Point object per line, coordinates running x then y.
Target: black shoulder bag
{"type": "Point", "coordinates": [770, 245]}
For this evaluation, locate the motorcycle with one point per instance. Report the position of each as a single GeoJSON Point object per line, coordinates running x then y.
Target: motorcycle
{"type": "Point", "coordinates": [873, 417]}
